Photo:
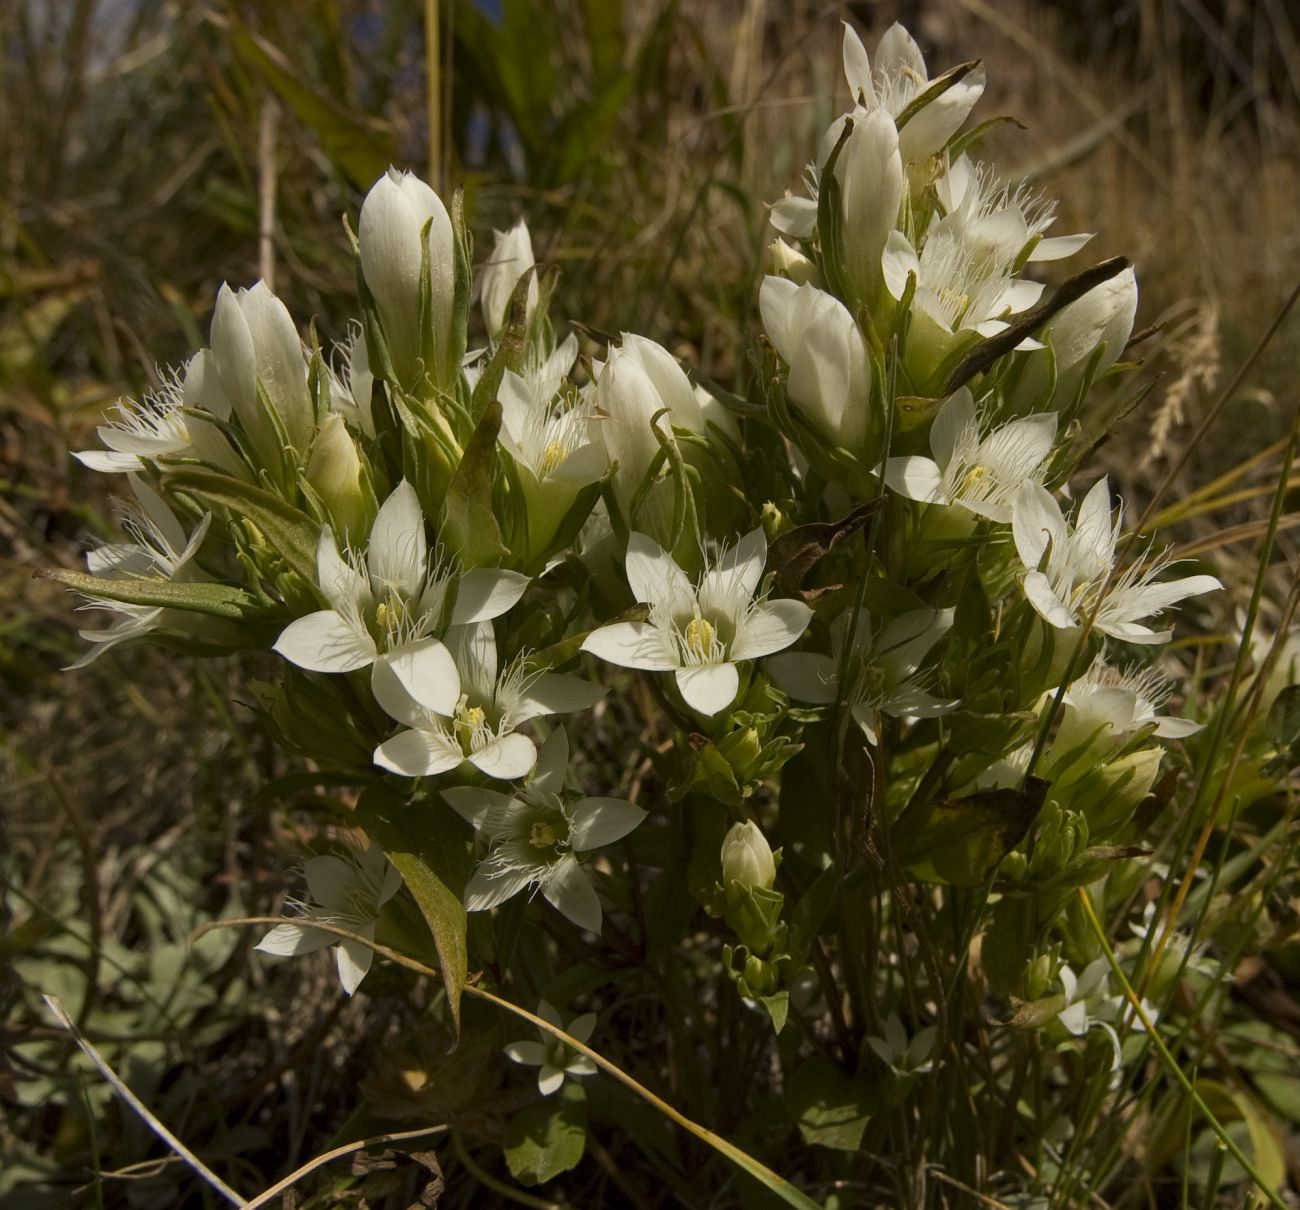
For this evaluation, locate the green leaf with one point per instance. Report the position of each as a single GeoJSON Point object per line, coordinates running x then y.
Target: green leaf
{"type": "Point", "coordinates": [359, 145]}
{"type": "Point", "coordinates": [961, 842]}
{"type": "Point", "coordinates": [1284, 730]}
{"type": "Point", "coordinates": [291, 532]}
{"type": "Point", "coordinates": [936, 89]}
{"type": "Point", "coordinates": [547, 1139]}
{"type": "Point", "coordinates": [830, 1108]}
{"type": "Point", "coordinates": [509, 353]}
{"type": "Point", "coordinates": [810, 911]}
{"type": "Point", "coordinates": [430, 846]}
{"type": "Point", "coordinates": [218, 600]}
{"type": "Point", "coordinates": [470, 526]}
{"type": "Point", "coordinates": [778, 1008]}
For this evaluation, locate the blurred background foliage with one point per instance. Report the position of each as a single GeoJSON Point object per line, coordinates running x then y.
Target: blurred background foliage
{"type": "Point", "coordinates": [150, 149]}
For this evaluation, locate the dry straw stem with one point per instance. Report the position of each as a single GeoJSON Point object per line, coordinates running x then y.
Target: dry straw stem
{"type": "Point", "coordinates": [760, 1172]}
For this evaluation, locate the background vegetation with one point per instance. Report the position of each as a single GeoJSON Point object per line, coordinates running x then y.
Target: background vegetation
{"type": "Point", "coordinates": [150, 149]}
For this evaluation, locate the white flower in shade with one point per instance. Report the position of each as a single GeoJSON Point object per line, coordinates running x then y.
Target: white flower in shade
{"type": "Point", "coordinates": [699, 632]}
{"type": "Point", "coordinates": [870, 175]}
{"type": "Point", "coordinates": [255, 345]}
{"type": "Point", "coordinates": [512, 257]}
{"type": "Point", "coordinates": [348, 892]}
{"type": "Point", "coordinates": [552, 443]}
{"type": "Point", "coordinates": [956, 289]}
{"type": "Point", "coordinates": [352, 385]}
{"type": "Point", "coordinates": [553, 1057]}
{"type": "Point", "coordinates": [1103, 316]}
{"type": "Point", "coordinates": [830, 376]}
{"type": "Point", "coordinates": [159, 549]}
{"type": "Point", "coordinates": [900, 77]}
{"type": "Point", "coordinates": [912, 1057]}
{"type": "Point", "coordinates": [142, 431]}
{"type": "Point", "coordinates": [980, 473]}
{"type": "Point", "coordinates": [391, 608]}
{"type": "Point", "coordinates": [534, 837]}
{"type": "Point", "coordinates": [1125, 700]}
{"type": "Point", "coordinates": [1067, 567]}
{"type": "Point", "coordinates": [483, 729]}
{"type": "Point", "coordinates": [996, 220]}
{"type": "Point", "coordinates": [882, 669]}
{"type": "Point", "coordinates": [402, 223]}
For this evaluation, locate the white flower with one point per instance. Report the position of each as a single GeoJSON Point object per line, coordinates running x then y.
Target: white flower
{"type": "Point", "coordinates": [391, 608]}
{"type": "Point", "coordinates": [971, 471]}
{"type": "Point", "coordinates": [907, 1058]}
{"type": "Point", "coordinates": [348, 892]}
{"type": "Point", "coordinates": [830, 376]}
{"type": "Point", "coordinates": [956, 289]}
{"type": "Point", "coordinates": [254, 342]}
{"type": "Point", "coordinates": [512, 257]}
{"type": "Point", "coordinates": [882, 668]}
{"type": "Point", "coordinates": [899, 78]}
{"type": "Point", "coordinates": [1075, 563]}
{"type": "Point", "coordinates": [143, 431]}
{"type": "Point", "coordinates": [700, 631]}
{"type": "Point", "coordinates": [396, 211]}
{"type": "Point", "coordinates": [483, 727]}
{"type": "Point", "coordinates": [159, 549]}
{"type": "Point", "coordinates": [1104, 315]}
{"type": "Point", "coordinates": [1123, 701]}
{"type": "Point", "coordinates": [553, 1057]}
{"type": "Point", "coordinates": [996, 220]}
{"type": "Point", "coordinates": [870, 175]}
{"type": "Point", "coordinates": [551, 443]}
{"type": "Point", "coordinates": [352, 385]}
{"type": "Point", "coordinates": [534, 837]}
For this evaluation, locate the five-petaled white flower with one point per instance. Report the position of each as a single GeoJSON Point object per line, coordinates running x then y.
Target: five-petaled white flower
{"type": "Point", "coordinates": [980, 473]}
{"type": "Point", "coordinates": [159, 550]}
{"type": "Point", "coordinates": [553, 1057]}
{"type": "Point", "coordinates": [482, 729]}
{"type": "Point", "coordinates": [534, 837]}
{"type": "Point", "coordinates": [348, 892]}
{"type": "Point", "coordinates": [143, 431]}
{"type": "Point", "coordinates": [1067, 568]}
{"type": "Point", "coordinates": [906, 1057]}
{"type": "Point", "coordinates": [1124, 700]}
{"type": "Point", "coordinates": [882, 668]}
{"type": "Point", "coordinates": [700, 631]}
{"type": "Point", "coordinates": [392, 608]}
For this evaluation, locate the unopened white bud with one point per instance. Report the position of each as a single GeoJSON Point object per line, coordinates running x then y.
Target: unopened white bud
{"type": "Point", "coordinates": [747, 857]}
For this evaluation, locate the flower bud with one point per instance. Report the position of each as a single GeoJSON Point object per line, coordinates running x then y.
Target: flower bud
{"type": "Point", "coordinates": [870, 174]}
{"type": "Point", "coordinates": [747, 857]}
{"type": "Point", "coordinates": [830, 377]}
{"type": "Point", "coordinates": [512, 257]}
{"type": "Point", "coordinates": [335, 471]}
{"type": "Point", "coordinates": [785, 261]}
{"type": "Point", "coordinates": [393, 218]}
{"type": "Point", "coordinates": [255, 342]}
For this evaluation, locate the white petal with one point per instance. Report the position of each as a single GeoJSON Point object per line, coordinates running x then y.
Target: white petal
{"type": "Point", "coordinates": [1038, 589]}
{"type": "Point", "coordinates": [652, 573]}
{"type": "Point", "coordinates": [476, 805]}
{"type": "Point", "coordinates": [601, 821]}
{"type": "Point", "coordinates": [708, 688]}
{"type": "Point", "coordinates": [427, 672]}
{"type": "Point", "coordinates": [898, 262]}
{"type": "Point", "coordinates": [1058, 247]}
{"type": "Point", "coordinates": [399, 552]}
{"type": "Point", "coordinates": [805, 676]}
{"type": "Point", "coordinates": [557, 693]}
{"type": "Point", "coordinates": [474, 650]}
{"type": "Point", "coordinates": [353, 961]}
{"type": "Point", "coordinates": [325, 642]}
{"type": "Point", "coordinates": [507, 758]}
{"type": "Point", "coordinates": [915, 478]}
{"type": "Point", "coordinates": [953, 419]}
{"type": "Point", "coordinates": [330, 880]}
{"type": "Point", "coordinates": [1168, 727]}
{"type": "Point", "coordinates": [857, 68]}
{"type": "Point", "coordinates": [344, 586]}
{"type": "Point", "coordinates": [897, 51]}
{"type": "Point", "coordinates": [484, 593]}
{"type": "Point", "coordinates": [581, 1028]}
{"type": "Point", "coordinates": [569, 892]}
{"type": "Point", "coordinates": [486, 890]}
{"type": "Point", "coordinates": [290, 940]}
{"type": "Point", "coordinates": [419, 754]}
{"type": "Point", "coordinates": [533, 1054]}
{"type": "Point", "coordinates": [1036, 521]}
{"type": "Point", "coordinates": [552, 764]}
{"type": "Point", "coordinates": [631, 645]}
{"type": "Point", "coordinates": [743, 563]}
{"type": "Point", "coordinates": [395, 701]}
{"type": "Point", "coordinates": [1147, 599]}
{"type": "Point", "coordinates": [1093, 531]}
{"type": "Point", "coordinates": [108, 462]}
{"type": "Point", "coordinates": [770, 627]}
{"type": "Point", "coordinates": [549, 1079]}
{"type": "Point", "coordinates": [795, 216]}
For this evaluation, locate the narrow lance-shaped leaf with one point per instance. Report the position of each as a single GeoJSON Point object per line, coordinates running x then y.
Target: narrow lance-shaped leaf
{"type": "Point", "coordinates": [470, 527]}
{"type": "Point", "coordinates": [217, 600]}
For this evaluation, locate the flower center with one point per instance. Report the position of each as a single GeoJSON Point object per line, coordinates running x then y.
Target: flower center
{"type": "Point", "coordinates": [973, 480]}
{"type": "Point", "coordinates": [542, 835]}
{"type": "Point", "coordinates": [390, 614]}
{"type": "Point", "coordinates": [553, 455]}
{"type": "Point", "coordinates": [469, 718]}
{"type": "Point", "coordinates": [700, 637]}
{"type": "Point", "coordinates": [954, 301]}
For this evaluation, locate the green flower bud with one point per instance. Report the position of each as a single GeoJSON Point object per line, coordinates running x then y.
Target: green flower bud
{"type": "Point", "coordinates": [747, 857]}
{"type": "Point", "coordinates": [336, 473]}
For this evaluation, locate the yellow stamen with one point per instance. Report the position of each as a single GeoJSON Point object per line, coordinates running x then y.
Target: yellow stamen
{"type": "Point", "coordinates": [699, 637]}
{"type": "Point", "coordinates": [542, 836]}
{"type": "Point", "coordinates": [972, 479]}
{"type": "Point", "coordinates": [554, 454]}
